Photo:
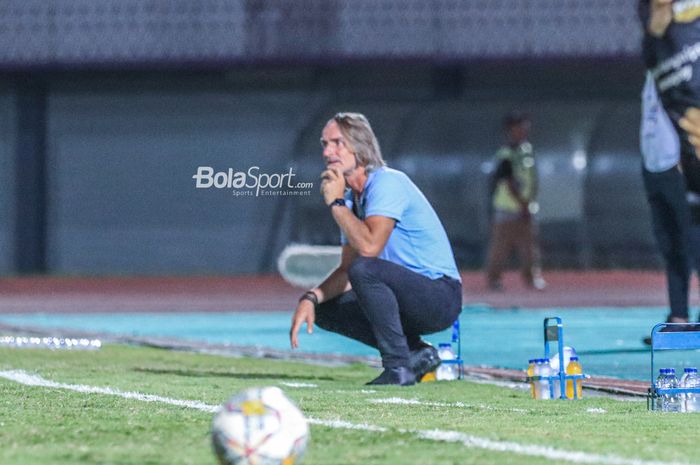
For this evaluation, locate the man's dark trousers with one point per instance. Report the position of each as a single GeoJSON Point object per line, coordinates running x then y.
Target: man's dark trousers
{"type": "Point", "coordinates": [390, 307]}
{"type": "Point", "coordinates": [670, 216]}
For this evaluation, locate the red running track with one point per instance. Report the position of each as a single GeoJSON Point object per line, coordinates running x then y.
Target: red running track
{"type": "Point", "coordinates": [268, 293]}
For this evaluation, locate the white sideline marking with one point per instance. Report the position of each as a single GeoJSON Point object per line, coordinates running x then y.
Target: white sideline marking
{"type": "Point", "coordinates": [25, 378]}
{"type": "Point", "coordinates": [596, 410]}
{"type": "Point", "coordinates": [467, 440]}
{"type": "Point", "coordinates": [402, 401]}
{"type": "Point", "coordinates": [533, 450]}
{"type": "Point", "coordinates": [347, 425]}
{"type": "Point", "coordinates": [299, 385]}
{"type": "Point", "coordinates": [395, 400]}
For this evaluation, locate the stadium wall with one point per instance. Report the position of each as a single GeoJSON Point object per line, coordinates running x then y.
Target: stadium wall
{"type": "Point", "coordinates": [122, 149]}
{"type": "Point", "coordinates": [8, 186]}
{"type": "Point", "coordinates": [119, 33]}
{"type": "Point", "coordinates": [108, 108]}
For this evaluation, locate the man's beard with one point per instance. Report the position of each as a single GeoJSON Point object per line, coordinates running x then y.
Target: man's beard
{"type": "Point", "coordinates": [350, 171]}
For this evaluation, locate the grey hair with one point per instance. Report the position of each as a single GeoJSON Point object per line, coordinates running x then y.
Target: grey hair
{"type": "Point", "coordinates": [358, 132]}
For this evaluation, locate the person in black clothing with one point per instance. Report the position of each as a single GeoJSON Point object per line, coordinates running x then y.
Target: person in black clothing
{"type": "Point", "coordinates": [666, 193]}
{"type": "Point", "coordinates": [671, 51]}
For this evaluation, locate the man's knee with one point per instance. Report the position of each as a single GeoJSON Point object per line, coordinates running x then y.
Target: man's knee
{"type": "Point", "coordinates": [361, 268]}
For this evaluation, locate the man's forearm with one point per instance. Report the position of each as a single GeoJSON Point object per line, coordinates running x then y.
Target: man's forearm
{"type": "Point", "coordinates": [334, 285]}
{"type": "Point", "coordinates": [356, 231]}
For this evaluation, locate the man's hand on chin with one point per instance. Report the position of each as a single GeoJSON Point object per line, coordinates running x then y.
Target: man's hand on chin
{"type": "Point", "coordinates": [333, 185]}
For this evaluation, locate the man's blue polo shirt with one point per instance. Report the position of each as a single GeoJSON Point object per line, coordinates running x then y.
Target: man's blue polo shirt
{"type": "Point", "coordinates": [419, 241]}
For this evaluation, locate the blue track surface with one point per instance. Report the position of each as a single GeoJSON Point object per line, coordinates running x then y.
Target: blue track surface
{"type": "Point", "coordinates": [608, 340]}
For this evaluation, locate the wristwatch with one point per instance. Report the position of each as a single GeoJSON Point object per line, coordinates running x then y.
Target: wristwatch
{"type": "Point", "coordinates": [339, 202]}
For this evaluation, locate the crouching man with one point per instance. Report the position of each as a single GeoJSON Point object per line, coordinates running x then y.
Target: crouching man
{"type": "Point", "coordinates": [397, 279]}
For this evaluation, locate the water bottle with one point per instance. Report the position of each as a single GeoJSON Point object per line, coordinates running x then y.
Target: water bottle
{"type": "Point", "coordinates": [446, 371]}
{"type": "Point", "coordinates": [536, 372]}
{"type": "Point", "coordinates": [667, 380]}
{"type": "Point", "coordinates": [660, 384]}
{"type": "Point", "coordinates": [690, 401]}
{"type": "Point", "coordinates": [530, 374]}
{"type": "Point", "coordinates": [556, 381]}
{"type": "Point", "coordinates": [554, 359]}
{"type": "Point", "coordinates": [574, 368]}
{"type": "Point", "coordinates": [543, 370]}
{"type": "Point", "coordinates": [674, 400]}
{"type": "Point", "coordinates": [681, 384]}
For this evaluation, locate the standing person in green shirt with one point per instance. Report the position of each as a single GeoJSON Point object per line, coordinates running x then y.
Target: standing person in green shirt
{"type": "Point", "coordinates": [514, 204]}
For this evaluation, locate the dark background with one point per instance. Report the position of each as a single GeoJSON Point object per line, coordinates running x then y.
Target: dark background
{"type": "Point", "coordinates": [107, 108]}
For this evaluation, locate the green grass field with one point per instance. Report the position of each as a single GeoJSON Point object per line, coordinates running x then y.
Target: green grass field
{"type": "Point", "coordinates": [445, 423]}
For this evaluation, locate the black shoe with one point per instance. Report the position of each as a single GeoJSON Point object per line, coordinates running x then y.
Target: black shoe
{"type": "Point", "coordinates": [424, 360]}
{"type": "Point", "coordinates": [401, 376]}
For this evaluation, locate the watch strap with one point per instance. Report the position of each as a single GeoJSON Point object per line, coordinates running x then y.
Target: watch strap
{"type": "Point", "coordinates": [337, 202]}
{"type": "Point", "coordinates": [310, 296]}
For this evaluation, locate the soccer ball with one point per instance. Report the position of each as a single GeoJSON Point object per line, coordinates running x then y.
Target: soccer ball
{"type": "Point", "coordinates": [259, 426]}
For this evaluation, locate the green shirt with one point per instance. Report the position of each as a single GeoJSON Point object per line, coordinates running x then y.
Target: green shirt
{"type": "Point", "coordinates": [525, 174]}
